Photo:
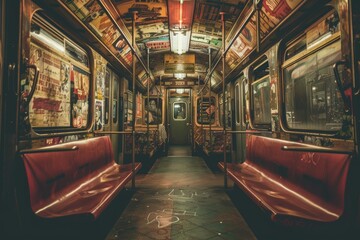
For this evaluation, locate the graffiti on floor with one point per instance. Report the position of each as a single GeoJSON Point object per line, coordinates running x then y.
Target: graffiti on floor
{"type": "Point", "coordinates": [186, 194]}
{"type": "Point", "coordinates": [166, 217]}
{"type": "Point", "coordinates": [182, 194]}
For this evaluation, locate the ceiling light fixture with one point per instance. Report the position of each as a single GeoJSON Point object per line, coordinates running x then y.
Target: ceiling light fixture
{"type": "Point", "coordinates": [180, 40]}
{"type": "Point", "coordinates": [180, 19]}
{"type": "Point", "coordinates": [179, 75]}
{"type": "Point", "coordinates": [180, 90]}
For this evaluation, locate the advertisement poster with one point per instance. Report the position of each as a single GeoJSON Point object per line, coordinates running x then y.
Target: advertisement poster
{"type": "Point", "coordinates": [78, 7]}
{"type": "Point", "coordinates": [153, 106]}
{"type": "Point", "coordinates": [206, 28]}
{"type": "Point", "coordinates": [272, 12]}
{"type": "Point", "coordinates": [123, 50]}
{"type": "Point", "coordinates": [80, 104]}
{"type": "Point", "coordinates": [99, 117]}
{"type": "Point", "coordinates": [100, 85]}
{"type": "Point", "coordinates": [246, 40]}
{"type": "Point", "coordinates": [101, 23]}
{"type": "Point", "coordinates": [50, 105]}
{"type": "Point", "coordinates": [151, 24]}
{"type": "Point", "coordinates": [139, 107]}
{"type": "Point", "coordinates": [149, 11]}
{"type": "Point", "coordinates": [98, 20]}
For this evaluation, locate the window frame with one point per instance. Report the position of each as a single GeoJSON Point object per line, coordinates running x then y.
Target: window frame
{"type": "Point", "coordinates": [198, 111]}
{"type": "Point", "coordinates": [335, 38]}
{"type": "Point", "coordinates": [260, 125]}
{"type": "Point", "coordinates": [237, 103]}
{"type": "Point", "coordinates": [50, 27]}
{"type": "Point", "coordinates": [256, 78]}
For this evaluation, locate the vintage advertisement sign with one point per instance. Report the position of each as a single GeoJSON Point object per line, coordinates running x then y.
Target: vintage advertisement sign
{"type": "Point", "coordinates": [50, 105]}
{"type": "Point", "coordinates": [99, 115]}
{"type": "Point", "coordinates": [184, 63]}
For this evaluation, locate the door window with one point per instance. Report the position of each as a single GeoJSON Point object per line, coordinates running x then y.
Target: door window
{"type": "Point", "coordinates": [179, 110]}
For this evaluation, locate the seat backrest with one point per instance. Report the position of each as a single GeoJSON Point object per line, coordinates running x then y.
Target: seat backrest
{"type": "Point", "coordinates": [320, 174]}
{"type": "Point", "coordinates": [52, 174]}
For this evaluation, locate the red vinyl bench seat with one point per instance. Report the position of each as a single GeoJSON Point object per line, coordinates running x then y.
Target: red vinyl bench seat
{"type": "Point", "coordinates": [296, 188]}
{"type": "Point", "coordinates": [79, 183]}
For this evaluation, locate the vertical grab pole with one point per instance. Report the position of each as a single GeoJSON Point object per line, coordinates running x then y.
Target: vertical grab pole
{"type": "Point", "coordinates": [158, 107]}
{"type": "Point", "coordinates": [257, 7]}
{"type": "Point", "coordinates": [134, 99]}
{"type": "Point", "coordinates": [201, 118]}
{"type": "Point", "coordinates": [210, 123]}
{"type": "Point", "coordinates": [223, 96]}
{"type": "Point", "coordinates": [148, 101]}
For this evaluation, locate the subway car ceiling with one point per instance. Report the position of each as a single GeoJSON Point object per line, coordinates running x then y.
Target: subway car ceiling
{"type": "Point", "coordinates": [176, 39]}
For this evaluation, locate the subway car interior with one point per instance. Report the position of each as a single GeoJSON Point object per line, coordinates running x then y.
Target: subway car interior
{"type": "Point", "coordinates": [180, 119]}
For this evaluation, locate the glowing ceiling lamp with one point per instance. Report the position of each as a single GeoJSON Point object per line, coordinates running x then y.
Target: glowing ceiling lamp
{"type": "Point", "coordinates": [180, 91]}
{"type": "Point", "coordinates": [179, 75]}
{"type": "Point", "coordinates": [180, 19]}
{"type": "Point", "coordinates": [180, 40]}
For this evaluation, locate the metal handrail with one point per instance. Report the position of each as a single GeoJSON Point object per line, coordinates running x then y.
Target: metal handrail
{"type": "Point", "coordinates": [133, 48]}
{"type": "Point", "coordinates": [207, 77]}
{"type": "Point", "coordinates": [117, 132]}
{"type": "Point", "coordinates": [35, 81]}
{"type": "Point", "coordinates": [48, 149]}
{"type": "Point", "coordinates": [316, 149]}
{"type": "Point", "coordinates": [52, 135]}
{"type": "Point", "coordinates": [247, 132]}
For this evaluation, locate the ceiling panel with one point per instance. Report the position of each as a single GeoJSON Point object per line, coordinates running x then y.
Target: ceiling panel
{"type": "Point", "coordinates": [151, 25]}
{"type": "Point", "coordinates": [206, 29]}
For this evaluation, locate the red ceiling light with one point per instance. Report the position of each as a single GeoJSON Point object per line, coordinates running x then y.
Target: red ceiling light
{"type": "Point", "coordinates": [181, 13]}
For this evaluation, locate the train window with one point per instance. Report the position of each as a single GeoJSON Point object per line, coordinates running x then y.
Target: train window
{"type": "Point", "coordinates": [261, 101]}
{"type": "Point", "coordinates": [244, 97]}
{"type": "Point", "coordinates": [261, 70]}
{"type": "Point", "coordinates": [128, 106]}
{"type": "Point", "coordinates": [206, 110]}
{"type": "Point", "coordinates": [237, 103]}
{"type": "Point", "coordinates": [227, 109]}
{"type": "Point", "coordinates": [241, 96]}
{"type": "Point", "coordinates": [153, 105]}
{"type": "Point", "coordinates": [312, 99]}
{"type": "Point", "coordinates": [261, 95]}
{"type": "Point", "coordinates": [61, 98]}
{"type": "Point", "coordinates": [76, 53]}
{"type": "Point", "coordinates": [179, 110]}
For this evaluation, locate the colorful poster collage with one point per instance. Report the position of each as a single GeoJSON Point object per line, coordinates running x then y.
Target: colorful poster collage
{"type": "Point", "coordinates": [61, 96]}
{"type": "Point", "coordinates": [50, 105]}
{"type": "Point", "coordinates": [206, 29]}
{"type": "Point", "coordinates": [80, 94]}
{"type": "Point", "coordinates": [139, 108]}
{"type": "Point", "coordinates": [99, 115]}
{"type": "Point", "coordinates": [243, 45]}
{"type": "Point", "coordinates": [151, 25]}
{"type": "Point", "coordinates": [274, 11]}
{"type": "Point", "coordinates": [99, 21]}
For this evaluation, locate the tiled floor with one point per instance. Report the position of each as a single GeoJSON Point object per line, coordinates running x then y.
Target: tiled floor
{"type": "Point", "coordinates": [180, 198]}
